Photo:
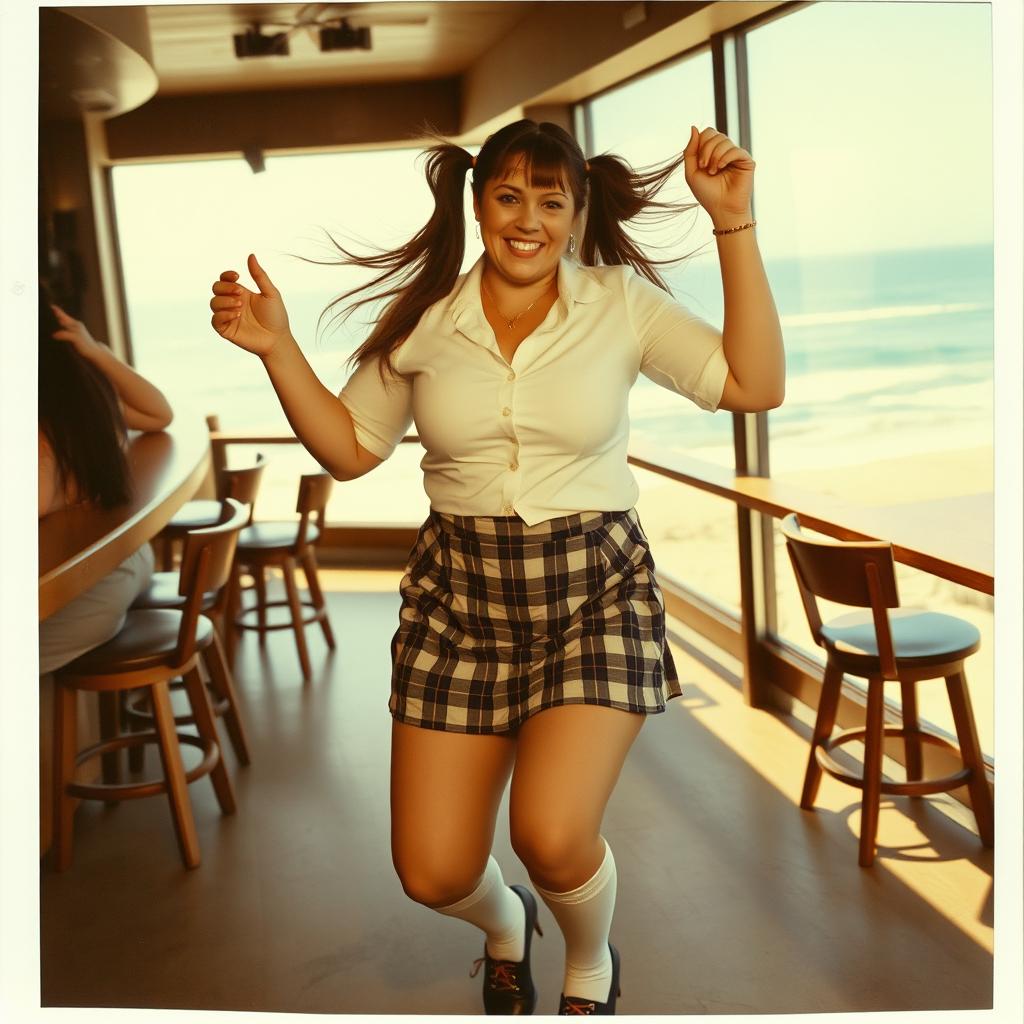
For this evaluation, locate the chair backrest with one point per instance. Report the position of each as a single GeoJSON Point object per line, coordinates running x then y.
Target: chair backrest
{"type": "Point", "coordinates": [243, 484]}
{"type": "Point", "coordinates": [314, 493]}
{"type": "Point", "coordinates": [858, 573]}
{"type": "Point", "coordinates": [206, 565]}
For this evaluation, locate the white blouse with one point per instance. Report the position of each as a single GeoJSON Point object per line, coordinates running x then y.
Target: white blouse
{"type": "Point", "coordinates": [546, 435]}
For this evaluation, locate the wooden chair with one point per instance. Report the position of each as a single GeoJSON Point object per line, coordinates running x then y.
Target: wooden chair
{"type": "Point", "coordinates": [154, 646]}
{"type": "Point", "coordinates": [165, 591]}
{"type": "Point", "coordinates": [287, 545]}
{"type": "Point", "coordinates": [241, 484]}
{"type": "Point", "coordinates": [883, 642]}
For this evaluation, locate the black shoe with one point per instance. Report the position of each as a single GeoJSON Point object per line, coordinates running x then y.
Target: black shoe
{"type": "Point", "coordinates": [570, 1005]}
{"type": "Point", "coordinates": [508, 987]}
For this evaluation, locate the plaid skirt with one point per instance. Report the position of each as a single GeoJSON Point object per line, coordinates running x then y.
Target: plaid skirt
{"type": "Point", "coordinates": [500, 620]}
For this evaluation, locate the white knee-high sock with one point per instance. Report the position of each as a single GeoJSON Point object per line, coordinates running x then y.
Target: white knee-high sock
{"type": "Point", "coordinates": [585, 918]}
{"type": "Point", "coordinates": [495, 908]}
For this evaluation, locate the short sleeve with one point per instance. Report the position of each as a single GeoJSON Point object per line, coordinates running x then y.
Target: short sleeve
{"type": "Point", "coordinates": [678, 350]}
{"type": "Point", "coordinates": [381, 413]}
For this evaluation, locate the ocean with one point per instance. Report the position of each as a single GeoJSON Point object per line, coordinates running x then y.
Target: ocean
{"type": "Point", "coordinates": [887, 354]}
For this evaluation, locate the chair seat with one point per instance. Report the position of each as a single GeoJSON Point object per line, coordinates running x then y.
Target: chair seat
{"type": "Point", "coordinates": [147, 639]}
{"type": "Point", "coordinates": [264, 536]}
{"type": "Point", "coordinates": [194, 515]}
{"type": "Point", "coordinates": [919, 638]}
{"type": "Point", "coordinates": [162, 592]}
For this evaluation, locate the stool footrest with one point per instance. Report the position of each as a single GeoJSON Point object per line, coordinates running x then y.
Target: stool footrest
{"type": "Point", "coordinates": [136, 790]}
{"type": "Point", "coordinates": [317, 616]}
{"type": "Point", "coordinates": [917, 787]}
{"type": "Point", "coordinates": [136, 713]}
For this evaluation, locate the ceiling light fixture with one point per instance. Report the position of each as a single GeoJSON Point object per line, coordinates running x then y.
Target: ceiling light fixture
{"type": "Point", "coordinates": [252, 43]}
{"type": "Point", "coordinates": [344, 37]}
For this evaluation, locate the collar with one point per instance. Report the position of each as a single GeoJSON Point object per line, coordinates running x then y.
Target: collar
{"type": "Point", "coordinates": [576, 283]}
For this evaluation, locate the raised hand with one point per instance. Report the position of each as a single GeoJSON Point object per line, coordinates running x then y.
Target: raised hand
{"type": "Point", "coordinates": [255, 321]}
{"type": "Point", "coordinates": [719, 173]}
{"type": "Point", "coordinates": [74, 332]}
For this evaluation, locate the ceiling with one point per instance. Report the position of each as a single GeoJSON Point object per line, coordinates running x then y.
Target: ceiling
{"type": "Point", "coordinates": [193, 51]}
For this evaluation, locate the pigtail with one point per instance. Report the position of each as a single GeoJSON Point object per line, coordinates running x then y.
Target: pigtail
{"type": "Point", "coordinates": [620, 194]}
{"type": "Point", "coordinates": [418, 273]}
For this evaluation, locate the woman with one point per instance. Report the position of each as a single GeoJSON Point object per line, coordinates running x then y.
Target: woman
{"type": "Point", "coordinates": [87, 399]}
{"type": "Point", "coordinates": [531, 640]}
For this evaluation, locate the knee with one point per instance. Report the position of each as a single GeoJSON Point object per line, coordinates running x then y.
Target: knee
{"type": "Point", "coordinates": [435, 881]}
{"type": "Point", "coordinates": [551, 851]}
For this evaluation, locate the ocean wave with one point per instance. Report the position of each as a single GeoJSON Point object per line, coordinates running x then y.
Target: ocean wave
{"type": "Point", "coordinates": [854, 316]}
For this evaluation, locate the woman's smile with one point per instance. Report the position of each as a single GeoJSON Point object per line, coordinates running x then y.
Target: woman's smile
{"type": "Point", "coordinates": [525, 228]}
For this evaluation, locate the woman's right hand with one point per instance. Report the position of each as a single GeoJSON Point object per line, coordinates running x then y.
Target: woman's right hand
{"type": "Point", "coordinates": [255, 321]}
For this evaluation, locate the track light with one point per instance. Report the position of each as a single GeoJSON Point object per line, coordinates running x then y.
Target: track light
{"type": "Point", "coordinates": [344, 37]}
{"type": "Point", "coordinates": [252, 43]}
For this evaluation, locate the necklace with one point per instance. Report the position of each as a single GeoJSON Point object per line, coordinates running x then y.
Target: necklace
{"type": "Point", "coordinates": [512, 323]}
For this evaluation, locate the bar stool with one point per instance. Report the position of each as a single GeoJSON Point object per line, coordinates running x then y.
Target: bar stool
{"type": "Point", "coordinates": [907, 645]}
{"type": "Point", "coordinates": [241, 484]}
{"type": "Point", "coordinates": [154, 646]}
{"type": "Point", "coordinates": [165, 591]}
{"type": "Point", "coordinates": [287, 545]}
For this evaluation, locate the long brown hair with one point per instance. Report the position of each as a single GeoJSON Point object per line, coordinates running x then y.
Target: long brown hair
{"type": "Point", "coordinates": [425, 269]}
{"type": "Point", "coordinates": [80, 417]}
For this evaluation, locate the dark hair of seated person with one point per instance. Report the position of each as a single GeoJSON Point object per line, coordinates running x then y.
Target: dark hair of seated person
{"type": "Point", "coordinates": [80, 417]}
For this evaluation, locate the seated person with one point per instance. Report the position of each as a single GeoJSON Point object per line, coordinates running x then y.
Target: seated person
{"type": "Point", "coordinates": [88, 399]}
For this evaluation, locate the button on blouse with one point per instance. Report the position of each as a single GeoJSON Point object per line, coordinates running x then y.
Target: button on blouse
{"type": "Point", "coordinates": [547, 436]}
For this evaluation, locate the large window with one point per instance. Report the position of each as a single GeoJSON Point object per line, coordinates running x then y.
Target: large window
{"type": "Point", "coordinates": [181, 224]}
{"type": "Point", "coordinates": [878, 245]}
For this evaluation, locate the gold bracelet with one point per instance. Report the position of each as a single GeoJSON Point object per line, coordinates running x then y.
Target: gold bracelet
{"type": "Point", "coordinates": [729, 231]}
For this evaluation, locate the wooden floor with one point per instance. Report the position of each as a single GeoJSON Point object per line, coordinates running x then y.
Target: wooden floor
{"type": "Point", "coordinates": [730, 899]}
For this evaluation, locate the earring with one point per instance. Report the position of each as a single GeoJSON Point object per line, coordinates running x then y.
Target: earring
{"type": "Point", "coordinates": [477, 229]}
{"type": "Point", "coordinates": [572, 245]}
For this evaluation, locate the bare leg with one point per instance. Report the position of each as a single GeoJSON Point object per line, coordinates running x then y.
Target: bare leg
{"type": "Point", "coordinates": [445, 792]}
{"type": "Point", "coordinates": [568, 761]}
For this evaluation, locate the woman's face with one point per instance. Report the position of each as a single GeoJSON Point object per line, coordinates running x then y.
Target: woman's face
{"type": "Point", "coordinates": [525, 230]}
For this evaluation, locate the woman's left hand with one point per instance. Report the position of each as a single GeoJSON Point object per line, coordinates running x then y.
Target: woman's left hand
{"type": "Point", "coordinates": [74, 332]}
{"type": "Point", "coordinates": [719, 173]}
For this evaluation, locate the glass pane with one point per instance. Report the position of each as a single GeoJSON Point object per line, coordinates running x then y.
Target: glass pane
{"type": "Point", "coordinates": [692, 535]}
{"type": "Point", "coordinates": [647, 121]}
{"type": "Point", "coordinates": [881, 264]}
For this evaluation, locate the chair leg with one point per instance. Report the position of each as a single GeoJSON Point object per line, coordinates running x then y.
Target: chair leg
{"type": "Point", "coordinates": [873, 744]}
{"type": "Point", "coordinates": [220, 679]}
{"type": "Point", "coordinates": [232, 604]}
{"type": "Point", "coordinates": [259, 579]}
{"type": "Point", "coordinates": [826, 719]}
{"type": "Point", "coordinates": [137, 753]}
{"type": "Point", "coordinates": [911, 739]}
{"type": "Point", "coordinates": [166, 553]}
{"type": "Point", "coordinates": [206, 725]}
{"type": "Point", "coordinates": [64, 749]}
{"type": "Point", "coordinates": [174, 774]}
{"type": "Point", "coordinates": [296, 609]}
{"type": "Point", "coordinates": [110, 726]}
{"type": "Point", "coordinates": [309, 567]}
{"type": "Point", "coordinates": [970, 751]}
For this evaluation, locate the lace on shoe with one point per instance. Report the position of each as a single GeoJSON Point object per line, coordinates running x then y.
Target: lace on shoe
{"type": "Point", "coordinates": [576, 1006]}
{"type": "Point", "coordinates": [503, 974]}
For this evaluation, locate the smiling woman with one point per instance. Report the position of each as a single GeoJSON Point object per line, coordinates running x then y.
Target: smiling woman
{"type": "Point", "coordinates": [532, 628]}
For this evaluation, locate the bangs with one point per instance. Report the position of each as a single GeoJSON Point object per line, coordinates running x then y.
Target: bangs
{"type": "Point", "coordinates": [541, 160]}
